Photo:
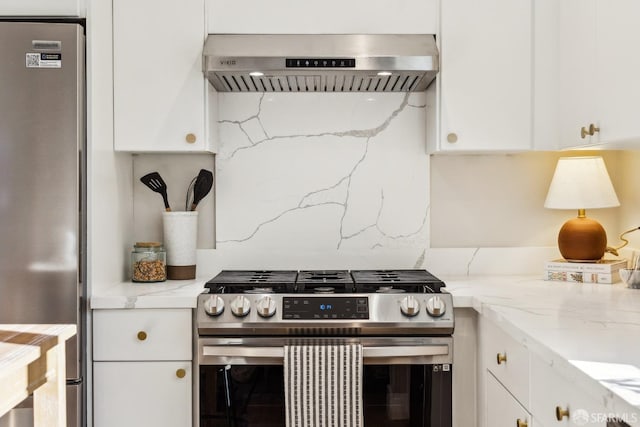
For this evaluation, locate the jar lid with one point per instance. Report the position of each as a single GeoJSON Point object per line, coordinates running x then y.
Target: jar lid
{"type": "Point", "coordinates": [147, 244]}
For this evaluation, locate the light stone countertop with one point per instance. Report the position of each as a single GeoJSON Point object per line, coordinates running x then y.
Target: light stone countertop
{"type": "Point", "coordinates": [590, 332]}
{"type": "Point", "coordinates": [168, 294]}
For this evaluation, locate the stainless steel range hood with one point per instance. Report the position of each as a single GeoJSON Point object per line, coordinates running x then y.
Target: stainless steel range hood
{"type": "Point", "coordinates": [320, 63]}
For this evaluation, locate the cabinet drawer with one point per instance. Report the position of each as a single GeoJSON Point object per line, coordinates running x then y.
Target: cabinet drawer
{"type": "Point", "coordinates": [553, 390]}
{"type": "Point", "coordinates": [505, 358]}
{"type": "Point", "coordinates": [137, 334]}
{"type": "Point", "coordinates": [502, 409]}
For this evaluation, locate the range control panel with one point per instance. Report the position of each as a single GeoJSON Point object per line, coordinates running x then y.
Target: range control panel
{"type": "Point", "coordinates": [320, 62]}
{"type": "Point", "coordinates": [329, 308]}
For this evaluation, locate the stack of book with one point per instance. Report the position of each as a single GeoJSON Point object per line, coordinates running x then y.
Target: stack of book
{"type": "Point", "coordinates": [604, 271]}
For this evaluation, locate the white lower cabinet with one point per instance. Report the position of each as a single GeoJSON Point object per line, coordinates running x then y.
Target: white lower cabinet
{"type": "Point", "coordinates": [142, 368]}
{"type": "Point", "coordinates": [503, 364]}
{"type": "Point", "coordinates": [557, 400]}
{"type": "Point", "coordinates": [503, 410]}
{"type": "Point", "coordinates": [142, 394]}
{"type": "Point", "coordinates": [518, 388]}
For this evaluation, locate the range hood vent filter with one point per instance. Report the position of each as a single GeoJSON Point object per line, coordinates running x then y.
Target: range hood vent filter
{"type": "Point", "coordinates": [320, 63]}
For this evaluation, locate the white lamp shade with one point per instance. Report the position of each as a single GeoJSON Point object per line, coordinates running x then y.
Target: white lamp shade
{"type": "Point", "coordinates": [581, 183]}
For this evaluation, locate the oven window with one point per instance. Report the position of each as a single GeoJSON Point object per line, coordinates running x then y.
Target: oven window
{"type": "Point", "coordinates": [393, 396]}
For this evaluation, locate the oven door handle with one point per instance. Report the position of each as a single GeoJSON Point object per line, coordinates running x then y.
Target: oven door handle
{"type": "Point", "coordinates": [405, 353]}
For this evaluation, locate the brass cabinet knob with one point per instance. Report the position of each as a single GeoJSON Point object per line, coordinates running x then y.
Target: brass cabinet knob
{"type": "Point", "coordinates": [561, 413]}
{"type": "Point", "coordinates": [180, 373]}
{"type": "Point", "coordinates": [583, 132]}
{"type": "Point", "coordinates": [501, 358]}
{"type": "Point", "coordinates": [452, 137]}
{"type": "Point", "coordinates": [591, 130]}
{"type": "Point", "coordinates": [190, 138]}
{"type": "Point", "coordinates": [142, 335]}
{"type": "Point", "coordinates": [521, 423]}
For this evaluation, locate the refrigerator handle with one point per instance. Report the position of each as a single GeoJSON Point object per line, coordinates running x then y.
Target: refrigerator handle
{"type": "Point", "coordinates": [74, 381]}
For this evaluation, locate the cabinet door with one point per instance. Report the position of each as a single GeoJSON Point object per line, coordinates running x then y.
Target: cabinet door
{"type": "Point", "coordinates": [327, 17]}
{"type": "Point", "coordinates": [618, 90]}
{"type": "Point", "coordinates": [158, 85]}
{"type": "Point", "coordinates": [486, 77]}
{"type": "Point", "coordinates": [578, 83]}
{"type": "Point", "coordinates": [503, 410]}
{"type": "Point", "coordinates": [506, 358]}
{"type": "Point", "coordinates": [557, 392]}
{"type": "Point", "coordinates": [134, 394]}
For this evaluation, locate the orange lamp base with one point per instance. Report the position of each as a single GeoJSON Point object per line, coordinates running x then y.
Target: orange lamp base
{"type": "Point", "coordinates": [582, 239]}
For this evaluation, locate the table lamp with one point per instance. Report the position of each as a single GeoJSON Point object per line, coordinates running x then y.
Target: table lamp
{"type": "Point", "coordinates": [581, 183]}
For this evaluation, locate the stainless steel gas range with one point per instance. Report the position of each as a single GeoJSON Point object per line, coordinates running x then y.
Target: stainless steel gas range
{"type": "Point", "coordinates": [403, 319]}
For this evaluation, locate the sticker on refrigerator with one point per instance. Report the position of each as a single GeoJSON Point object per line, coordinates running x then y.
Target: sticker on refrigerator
{"type": "Point", "coordinates": [44, 60]}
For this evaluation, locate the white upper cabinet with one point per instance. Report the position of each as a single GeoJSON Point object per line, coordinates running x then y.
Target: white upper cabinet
{"type": "Point", "coordinates": [599, 73]}
{"type": "Point", "coordinates": [485, 100]}
{"type": "Point", "coordinates": [577, 70]}
{"type": "Point", "coordinates": [329, 16]}
{"type": "Point", "coordinates": [159, 88]}
{"type": "Point", "coordinates": [75, 8]}
{"type": "Point", "coordinates": [618, 65]}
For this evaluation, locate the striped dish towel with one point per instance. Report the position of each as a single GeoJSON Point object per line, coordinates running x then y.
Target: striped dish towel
{"type": "Point", "coordinates": [323, 385]}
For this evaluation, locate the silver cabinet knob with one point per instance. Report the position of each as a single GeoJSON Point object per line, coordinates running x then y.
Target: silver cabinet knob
{"type": "Point", "coordinates": [436, 306]}
{"type": "Point", "coordinates": [409, 306]}
{"type": "Point", "coordinates": [214, 306]}
{"type": "Point", "coordinates": [266, 307]}
{"type": "Point", "coordinates": [240, 306]}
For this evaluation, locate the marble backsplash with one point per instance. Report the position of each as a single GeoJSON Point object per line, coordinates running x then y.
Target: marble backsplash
{"type": "Point", "coordinates": [331, 178]}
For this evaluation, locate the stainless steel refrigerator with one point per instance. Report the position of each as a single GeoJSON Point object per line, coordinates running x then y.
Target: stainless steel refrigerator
{"type": "Point", "coordinates": [42, 188]}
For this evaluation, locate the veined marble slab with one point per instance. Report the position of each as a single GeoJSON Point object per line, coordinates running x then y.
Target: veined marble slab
{"type": "Point", "coordinates": [322, 173]}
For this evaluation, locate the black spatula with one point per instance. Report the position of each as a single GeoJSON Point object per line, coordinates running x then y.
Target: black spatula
{"type": "Point", "coordinates": [202, 186]}
{"type": "Point", "coordinates": [155, 182]}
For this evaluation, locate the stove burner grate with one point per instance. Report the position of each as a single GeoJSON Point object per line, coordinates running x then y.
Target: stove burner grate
{"type": "Point", "coordinates": [324, 281]}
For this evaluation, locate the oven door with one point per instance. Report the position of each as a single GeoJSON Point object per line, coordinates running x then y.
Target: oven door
{"type": "Point", "coordinates": [406, 381]}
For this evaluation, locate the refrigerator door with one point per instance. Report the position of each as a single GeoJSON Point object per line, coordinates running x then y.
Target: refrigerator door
{"type": "Point", "coordinates": [41, 159]}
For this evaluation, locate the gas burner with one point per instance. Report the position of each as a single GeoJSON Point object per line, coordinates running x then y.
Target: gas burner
{"type": "Point", "coordinates": [413, 281]}
{"type": "Point", "coordinates": [338, 281]}
{"type": "Point", "coordinates": [246, 281]}
{"type": "Point", "coordinates": [389, 290]}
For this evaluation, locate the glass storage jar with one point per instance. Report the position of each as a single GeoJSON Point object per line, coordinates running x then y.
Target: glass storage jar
{"type": "Point", "coordinates": [148, 262]}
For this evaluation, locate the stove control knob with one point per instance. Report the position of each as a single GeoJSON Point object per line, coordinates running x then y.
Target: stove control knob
{"type": "Point", "coordinates": [214, 306]}
{"type": "Point", "coordinates": [409, 306]}
{"type": "Point", "coordinates": [436, 306]}
{"type": "Point", "coordinates": [240, 306]}
{"type": "Point", "coordinates": [266, 307]}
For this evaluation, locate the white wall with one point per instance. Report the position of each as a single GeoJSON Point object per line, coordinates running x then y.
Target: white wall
{"type": "Point", "coordinates": [498, 200]}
